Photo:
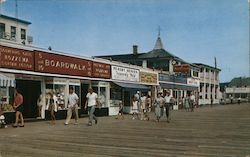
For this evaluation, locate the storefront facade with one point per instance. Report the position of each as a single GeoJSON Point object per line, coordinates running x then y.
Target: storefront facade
{"type": "Point", "coordinates": [36, 71]}
{"type": "Point", "coordinates": [179, 87]}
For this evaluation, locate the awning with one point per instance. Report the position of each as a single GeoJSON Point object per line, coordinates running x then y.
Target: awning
{"type": "Point", "coordinates": [178, 86]}
{"type": "Point", "coordinates": [131, 85]}
{"type": "Point", "coordinates": [6, 81]}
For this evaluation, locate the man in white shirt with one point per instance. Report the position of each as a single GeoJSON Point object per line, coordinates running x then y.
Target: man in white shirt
{"type": "Point", "coordinates": [167, 105]}
{"type": "Point", "coordinates": [91, 103]}
{"type": "Point", "coordinates": [72, 106]}
{"type": "Point", "coordinates": [192, 98]}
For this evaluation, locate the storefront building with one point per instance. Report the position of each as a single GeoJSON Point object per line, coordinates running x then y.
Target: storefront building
{"type": "Point", "coordinates": [37, 71]}
{"type": "Point", "coordinates": [179, 86]}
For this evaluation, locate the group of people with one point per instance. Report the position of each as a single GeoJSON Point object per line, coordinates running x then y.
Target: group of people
{"type": "Point", "coordinates": [142, 104]}
{"type": "Point", "coordinates": [189, 102]}
{"type": "Point", "coordinates": [73, 101]}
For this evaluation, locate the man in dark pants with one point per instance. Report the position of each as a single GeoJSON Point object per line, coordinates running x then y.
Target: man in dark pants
{"type": "Point", "coordinates": [167, 105]}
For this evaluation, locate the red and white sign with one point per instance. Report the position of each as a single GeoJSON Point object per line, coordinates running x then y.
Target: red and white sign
{"type": "Point", "coordinates": [101, 70]}
{"type": "Point", "coordinates": [184, 68]}
{"type": "Point", "coordinates": [60, 64]}
{"type": "Point", "coordinates": [13, 58]}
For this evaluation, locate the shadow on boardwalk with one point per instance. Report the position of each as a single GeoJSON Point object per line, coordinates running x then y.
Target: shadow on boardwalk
{"type": "Point", "coordinates": [217, 131]}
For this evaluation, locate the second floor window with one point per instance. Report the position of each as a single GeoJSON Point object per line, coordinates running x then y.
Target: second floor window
{"type": "Point", "coordinates": [23, 34]}
{"type": "Point", "coordinates": [13, 31]}
{"type": "Point", "coordinates": [2, 30]}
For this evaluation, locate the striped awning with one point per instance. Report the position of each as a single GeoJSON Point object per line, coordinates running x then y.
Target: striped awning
{"type": "Point", "coordinates": [6, 81]}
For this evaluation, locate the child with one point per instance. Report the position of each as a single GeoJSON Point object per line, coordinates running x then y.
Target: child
{"type": "Point", "coordinates": [120, 110]}
{"type": "Point", "coordinates": [2, 120]}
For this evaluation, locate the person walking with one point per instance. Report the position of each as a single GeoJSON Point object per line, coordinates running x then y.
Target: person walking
{"type": "Point", "coordinates": [91, 103]}
{"type": "Point", "coordinates": [143, 100]}
{"type": "Point", "coordinates": [187, 103]}
{"type": "Point", "coordinates": [158, 103]}
{"type": "Point", "coordinates": [18, 106]}
{"type": "Point", "coordinates": [120, 113]}
{"type": "Point", "coordinates": [149, 103]}
{"type": "Point", "coordinates": [73, 101]}
{"type": "Point", "coordinates": [40, 102]}
{"type": "Point", "coordinates": [135, 110]}
{"type": "Point", "coordinates": [192, 102]}
{"type": "Point", "coordinates": [52, 107]}
{"type": "Point", "coordinates": [168, 104]}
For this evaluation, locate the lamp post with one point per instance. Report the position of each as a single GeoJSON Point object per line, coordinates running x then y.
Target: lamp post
{"type": "Point", "coordinates": [248, 86]}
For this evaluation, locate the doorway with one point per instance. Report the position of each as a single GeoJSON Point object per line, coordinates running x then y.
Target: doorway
{"type": "Point", "coordinates": [30, 91]}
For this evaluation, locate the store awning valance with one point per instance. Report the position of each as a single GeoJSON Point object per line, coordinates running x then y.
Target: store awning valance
{"type": "Point", "coordinates": [131, 85]}
{"type": "Point", "coordinates": [6, 81]}
{"type": "Point", "coordinates": [178, 86]}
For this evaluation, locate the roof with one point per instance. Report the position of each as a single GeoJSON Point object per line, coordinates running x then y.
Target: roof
{"type": "Point", "coordinates": [207, 66]}
{"type": "Point", "coordinates": [158, 44]}
{"type": "Point", "coordinates": [14, 19]}
{"type": "Point", "coordinates": [121, 56]}
{"type": "Point", "coordinates": [240, 82]}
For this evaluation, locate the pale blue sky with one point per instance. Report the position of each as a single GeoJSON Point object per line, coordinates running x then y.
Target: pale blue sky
{"type": "Point", "coordinates": [194, 30]}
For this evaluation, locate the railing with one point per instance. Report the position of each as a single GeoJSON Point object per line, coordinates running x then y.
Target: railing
{"type": "Point", "coordinates": [7, 36]}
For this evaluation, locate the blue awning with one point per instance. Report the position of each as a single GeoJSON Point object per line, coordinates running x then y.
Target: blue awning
{"type": "Point", "coordinates": [178, 86]}
{"type": "Point", "coordinates": [131, 85]}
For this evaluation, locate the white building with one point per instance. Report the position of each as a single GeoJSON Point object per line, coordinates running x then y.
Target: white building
{"type": "Point", "coordinates": [209, 89]}
{"type": "Point", "coordinates": [238, 88]}
{"type": "Point", "coordinates": [14, 30]}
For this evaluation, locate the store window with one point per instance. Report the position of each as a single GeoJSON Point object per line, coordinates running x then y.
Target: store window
{"type": "Point", "coordinates": [59, 91]}
{"type": "Point", "coordinates": [115, 95]}
{"type": "Point", "coordinates": [6, 99]}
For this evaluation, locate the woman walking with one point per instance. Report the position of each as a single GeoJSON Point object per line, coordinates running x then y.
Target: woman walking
{"type": "Point", "coordinates": [187, 103]}
{"type": "Point", "coordinates": [135, 110]}
{"type": "Point", "coordinates": [158, 103]}
{"type": "Point", "coordinates": [52, 107]}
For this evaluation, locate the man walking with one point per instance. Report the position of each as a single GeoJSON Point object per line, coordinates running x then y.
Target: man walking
{"type": "Point", "coordinates": [192, 102]}
{"type": "Point", "coordinates": [72, 106]}
{"type": "Point", "coordinates": [18, 106]}
{"type": "Point", "coordinates": [167, 105]}
{"type": "Point", "coordinates": [91, 103]}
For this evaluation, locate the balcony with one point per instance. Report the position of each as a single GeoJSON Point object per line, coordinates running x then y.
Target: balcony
{"type": "Point", "coordinates": [7, 36]}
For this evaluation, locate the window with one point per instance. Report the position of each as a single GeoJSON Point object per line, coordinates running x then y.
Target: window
{"type": "Point", "coordinates": [202, 70]}
{"type": "Point", "coordinates": [23, 34]}
{"type": "Point", "coordinates": [13, 32]}
{"type": "Point", "coordinates": [2, 30]}
{"type": "Point", "coordinates": [195, 73]}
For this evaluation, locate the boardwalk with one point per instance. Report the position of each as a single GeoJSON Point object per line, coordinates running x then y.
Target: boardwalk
{"type": "Point", "coordinates": [217, 131]}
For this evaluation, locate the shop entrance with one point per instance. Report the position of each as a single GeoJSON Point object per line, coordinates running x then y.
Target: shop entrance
{"type": "Point", "coordinates": [30, 91]}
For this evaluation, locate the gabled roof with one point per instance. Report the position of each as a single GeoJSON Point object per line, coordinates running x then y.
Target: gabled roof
{"type": "Point", "coordinates": [14, 19]}
{"type": "Point", "coordinates": [121, 56]}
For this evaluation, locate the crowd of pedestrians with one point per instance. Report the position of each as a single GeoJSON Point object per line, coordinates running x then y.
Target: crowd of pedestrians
{"type": "Point", "coordinates": [142, 104]}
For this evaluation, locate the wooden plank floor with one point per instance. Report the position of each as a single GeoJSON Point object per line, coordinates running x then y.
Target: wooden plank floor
{"type": "Point", "coordinates": [217, 131]}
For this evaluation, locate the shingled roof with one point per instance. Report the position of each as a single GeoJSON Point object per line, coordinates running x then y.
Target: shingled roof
{"type": "Point", "coordinates": [240, 82]}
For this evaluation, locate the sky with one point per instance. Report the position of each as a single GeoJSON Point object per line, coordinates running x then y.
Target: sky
{"type": "Point", "coordinates": [194, 30]}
